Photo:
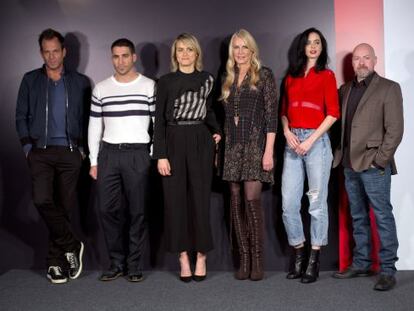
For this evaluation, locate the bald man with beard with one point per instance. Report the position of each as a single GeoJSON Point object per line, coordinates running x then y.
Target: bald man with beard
{"type": "Point", "coordinates": [372, 129]}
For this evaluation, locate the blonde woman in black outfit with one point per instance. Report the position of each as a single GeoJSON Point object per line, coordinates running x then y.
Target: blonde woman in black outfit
{"type": "Point", "coordinates": [185, 135]}
{"type": "Point", "coordinates": [250, 103]}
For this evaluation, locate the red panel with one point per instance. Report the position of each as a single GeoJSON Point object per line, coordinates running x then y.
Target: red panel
{"type": "Point", "coordinates": [356, 21]}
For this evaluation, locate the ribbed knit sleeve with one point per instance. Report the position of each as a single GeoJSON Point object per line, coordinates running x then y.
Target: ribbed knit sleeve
{"type": "Point", "coordinates": [95, 128]}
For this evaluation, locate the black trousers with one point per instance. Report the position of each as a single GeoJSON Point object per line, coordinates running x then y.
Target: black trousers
{"type": "Point", "coordinates": [123, 172]}
{"type": "Point", "coordinates": [55, 172]}
{"type": "Point", "coordinates": [187, 191]}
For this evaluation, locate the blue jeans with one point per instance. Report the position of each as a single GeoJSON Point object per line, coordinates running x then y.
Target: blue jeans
{"type": "Point", "coordinates": [317, 166]}
{"type": "Point", "coordinates": [372, 186]}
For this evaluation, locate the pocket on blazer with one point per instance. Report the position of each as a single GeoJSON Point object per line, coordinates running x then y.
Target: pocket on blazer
{"type": "Point", "coordinates": [373, 144]}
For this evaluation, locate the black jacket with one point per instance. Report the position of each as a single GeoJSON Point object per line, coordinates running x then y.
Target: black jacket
{"type": "Point", "coordinates": [32, 107]}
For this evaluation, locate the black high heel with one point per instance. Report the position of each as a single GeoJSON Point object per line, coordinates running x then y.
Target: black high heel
{"type": "Point", "coordinates": [299, 264]}
{"type": "Point", "coordinates": [185, 279]}
{"type": "Point", "coordinates": [199, 278]}
{"type": "Point", "coordinates": [312, 271]}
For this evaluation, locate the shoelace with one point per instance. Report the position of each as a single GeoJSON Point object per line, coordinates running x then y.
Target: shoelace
{"type": "Point", "coordinates": [71, 258]}
{"type": "Point", "coordinates": [56, 270]}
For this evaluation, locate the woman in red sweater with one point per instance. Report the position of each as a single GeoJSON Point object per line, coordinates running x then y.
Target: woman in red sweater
{"type": "Point", "coordinates": [310, 107]}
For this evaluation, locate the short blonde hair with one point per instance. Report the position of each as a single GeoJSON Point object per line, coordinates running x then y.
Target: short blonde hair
{"type": "Point", "coordinates": [255, 63]}
{"type": "Point", "coordinates": [191, 41]}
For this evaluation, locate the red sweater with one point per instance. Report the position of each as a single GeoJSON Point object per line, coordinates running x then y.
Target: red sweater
{"type": "Point", "coordinates": [308, 100]}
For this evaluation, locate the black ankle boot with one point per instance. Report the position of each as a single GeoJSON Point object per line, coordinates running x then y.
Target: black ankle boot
{"type": "Point", "coordinates": [298, 268]}
{"type": "Point", "coordinates": [312, 271]}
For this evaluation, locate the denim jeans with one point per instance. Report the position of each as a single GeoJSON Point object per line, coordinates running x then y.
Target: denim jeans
{"type": "Point", "coordinates": [373, 187]}
{"type": "Point", "coordinates": [316, 165]}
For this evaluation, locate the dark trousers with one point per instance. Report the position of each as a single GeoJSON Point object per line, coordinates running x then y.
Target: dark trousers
{"type": "Point", "coordinates": [373, 187]}
{"type": "Point", "coordinates": [123, 172]}
{"type": "Point", "coordinates": [187, 190]}
{"type": "Point", "coordinates": [55, 172]}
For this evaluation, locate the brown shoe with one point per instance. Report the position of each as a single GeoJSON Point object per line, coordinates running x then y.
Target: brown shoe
{"type": "Point", "coordinates": [385, 282]}
{"type": "Point", "coordinates": [135, 277]}
{"type": "Point", "coordinates": [350, 273]}
{"type": "Point", "coordinates": [112, 274]}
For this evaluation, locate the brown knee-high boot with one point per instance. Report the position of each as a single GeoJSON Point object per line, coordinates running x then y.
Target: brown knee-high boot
{"type": "Point", "coordinates": [256, 229]}
{"type": "Point", "coordinates": [240, 229]}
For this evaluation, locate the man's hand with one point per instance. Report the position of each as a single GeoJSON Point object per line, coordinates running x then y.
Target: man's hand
{"type": "Point", "coordinates": [93, 172]}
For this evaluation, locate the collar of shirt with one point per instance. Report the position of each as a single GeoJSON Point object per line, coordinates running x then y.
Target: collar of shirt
{"type": "Point", "coordinates": [362, 83]}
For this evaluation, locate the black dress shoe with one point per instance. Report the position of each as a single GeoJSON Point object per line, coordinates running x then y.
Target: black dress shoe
{"type": "Point", "coordinates": [352, 273]}
{"type": "Point", "coordinates": [135, 277]}
{"type": "Point", "coordinates": [112, 274]}
{"type": "Point", "coordinates": [186, 279]}
{"type": "Point", "coordinates": [199, 278]}
{"type": "Point", "coordinates": [385, 282]}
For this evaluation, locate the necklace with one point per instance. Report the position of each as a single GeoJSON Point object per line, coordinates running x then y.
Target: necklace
{"type": "Point", "coordinates": [237, 101]}
{"type": "Point", "coordinates": [236, 107]}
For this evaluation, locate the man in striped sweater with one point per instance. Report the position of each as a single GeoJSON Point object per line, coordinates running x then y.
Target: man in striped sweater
{"type": "Point", "coordinates": [121, 112]}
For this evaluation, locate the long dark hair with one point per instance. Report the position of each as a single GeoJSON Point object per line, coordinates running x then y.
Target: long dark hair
{"type": "Point", "coordinates": [297, 54]}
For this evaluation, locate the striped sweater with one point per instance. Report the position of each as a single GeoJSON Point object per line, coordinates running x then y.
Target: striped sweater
{"type": "Point", "coordinates": [120, 113]}
{"type": "Point", "coordinates": [182, 97]}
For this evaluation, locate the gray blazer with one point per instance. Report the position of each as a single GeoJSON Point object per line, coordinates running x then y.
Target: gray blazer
{"type": "Point", "coordinates": [377, 126]}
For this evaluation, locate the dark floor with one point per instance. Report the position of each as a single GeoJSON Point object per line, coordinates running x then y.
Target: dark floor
{"type": "Point", "coordinates": [161, 290]}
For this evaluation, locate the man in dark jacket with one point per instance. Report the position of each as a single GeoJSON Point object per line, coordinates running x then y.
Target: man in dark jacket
{"type": "Point", "coordinates": [49, 122]}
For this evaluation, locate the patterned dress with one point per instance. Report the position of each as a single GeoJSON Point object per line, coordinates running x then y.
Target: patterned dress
{"type": "Point", "coordinates": [245, 142]}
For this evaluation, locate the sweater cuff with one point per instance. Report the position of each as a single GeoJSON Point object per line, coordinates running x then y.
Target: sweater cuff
{"type": "Point", "coordinates": [93, 160]}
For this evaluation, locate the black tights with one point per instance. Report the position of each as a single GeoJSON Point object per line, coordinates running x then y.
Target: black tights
{"type": "Point", "coordinates": [252, 189]}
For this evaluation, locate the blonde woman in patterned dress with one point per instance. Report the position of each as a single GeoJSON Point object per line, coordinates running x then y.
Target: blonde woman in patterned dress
{"type": "Point", "coordinates": [250, 102]}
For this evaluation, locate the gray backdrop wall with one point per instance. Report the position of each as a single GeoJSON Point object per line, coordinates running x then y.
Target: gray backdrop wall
{"type": "Point", "coordinates": [90, 26]}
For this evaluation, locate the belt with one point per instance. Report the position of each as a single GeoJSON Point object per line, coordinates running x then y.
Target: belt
{"type": "Point", "coordinates": [54, 147]}
{"type": "Point", "coordinates": [124, 146]}
{"type": "Point", "coordinates": [193, 122]}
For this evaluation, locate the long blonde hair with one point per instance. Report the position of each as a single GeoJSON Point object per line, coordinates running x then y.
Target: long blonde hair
{"type": "Point", "coordinates": [255, 63]}
{"type": "Point", "coordinates": [191, 41]}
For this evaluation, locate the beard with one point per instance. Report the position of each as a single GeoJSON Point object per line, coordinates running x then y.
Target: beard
{"type": "Point", "coordinates": [363, 72]}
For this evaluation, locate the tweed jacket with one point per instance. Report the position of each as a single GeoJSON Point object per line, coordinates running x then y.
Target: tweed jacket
{"type": "Point", "coordinates": [377, 126]}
